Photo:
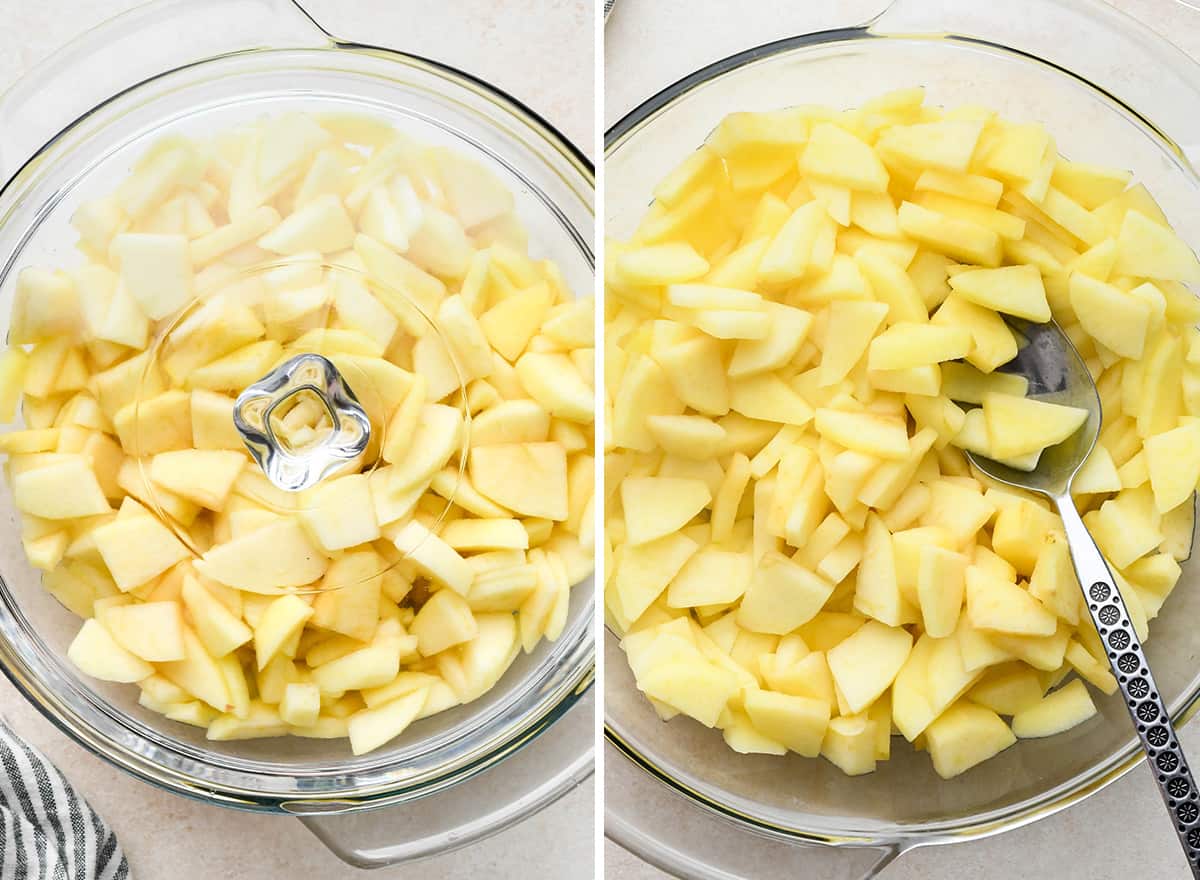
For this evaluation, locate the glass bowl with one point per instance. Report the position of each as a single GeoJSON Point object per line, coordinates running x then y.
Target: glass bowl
{"type": "Point", "coordinates": [71, 130]}
{"type": "Point", "coordinates": [1113, 93]}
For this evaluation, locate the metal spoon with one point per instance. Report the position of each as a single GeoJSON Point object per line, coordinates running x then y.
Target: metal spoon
{"type": "Point", "coordinates": [1056, 374]}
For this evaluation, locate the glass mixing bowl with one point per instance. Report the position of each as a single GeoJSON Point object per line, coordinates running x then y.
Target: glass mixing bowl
{"type": "Point", "coordinates": [69, 131]}
{"type": "Point", "coordinates": [1110, 91]}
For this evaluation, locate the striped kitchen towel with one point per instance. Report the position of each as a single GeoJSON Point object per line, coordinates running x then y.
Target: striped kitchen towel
{"type": "Point", "coordinates": [47, 830]}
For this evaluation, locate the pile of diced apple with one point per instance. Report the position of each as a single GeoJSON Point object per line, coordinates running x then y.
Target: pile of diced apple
{"type": "Point", "coordinates": [401, 586]}
{"type": "Point", "coordinates": [803, 334]}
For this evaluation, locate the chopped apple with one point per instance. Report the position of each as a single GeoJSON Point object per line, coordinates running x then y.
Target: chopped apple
{"type": "Point", "coordinates": [150, 630]}
{"type": "Point", "coordinates": [964, 736]}
{"type": "Point", "coordinates": [868, 433]}
{"type": "Point", "coordinates": [867, 662]}
{"type": "Point", "coordinates": [782, 595]}
{"type": "Point", "coordinates": [434, 557]}
{"type": "Point", "coordinates": [1059, 710]}
{"type": "Point", "coordinates": [1021, 425]}
{"type": "Point", "coordinates": [1148, 249]}
{"type": "Point", "coordinates": [340, 513]}
{"type": "Point", "coordinates": [658, 506]}
{"type": "Point", "coordinates": [156, 270]}
{"type": "Point", "coordinates": [64, 489]}
{"type": "Point", "coordinates": [799, 723]}
{"type": "Point", "coordinates": [998, 606]}
{"type": "Point", "coordinates": [280, 621]}
{"type": "Point", "coordinates": [526, 478]}
{"type": "Point", "coordinates": [371, 728]}
{"type": "Point", "coordinates": [268, 560]}
{"type": "Point", "coordinates": [217, 627]}
{"type": "Point", "coordinates": [136, 546]}
{"type": "Point", "coordinates": [205, 477]}
{"type": "Point", "coordinates": [96, 653]}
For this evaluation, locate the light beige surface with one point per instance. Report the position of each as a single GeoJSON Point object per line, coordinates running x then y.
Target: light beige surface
{"type": "Point", "coordinates": [1121, 832]}
{"type": "Point", "coordinates": [541, 51]}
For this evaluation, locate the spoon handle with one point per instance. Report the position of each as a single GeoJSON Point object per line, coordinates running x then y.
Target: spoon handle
{"type": "Point", "coordinates": [1132, 670]}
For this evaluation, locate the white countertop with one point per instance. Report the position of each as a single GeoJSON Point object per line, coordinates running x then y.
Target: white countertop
{"type": "Point", "coordinates": [541, 51]}
{"type": "Point", "coordinates": [1121, 832]}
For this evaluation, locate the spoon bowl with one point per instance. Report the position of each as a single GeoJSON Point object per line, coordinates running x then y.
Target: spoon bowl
{"type": "Point", "coordinates": [1056, 374]}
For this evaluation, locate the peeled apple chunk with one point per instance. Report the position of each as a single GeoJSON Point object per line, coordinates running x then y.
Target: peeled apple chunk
{"type": "Point", "coordinates": [1020, 425]}
{"type": "Point", "coordinates": [810, 328]}
{"type": "Point", "coordinates": [96, 653]}
{"type": "Point", "coordinates": [407, 580]}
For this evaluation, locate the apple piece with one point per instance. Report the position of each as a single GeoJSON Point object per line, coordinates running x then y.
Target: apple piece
{"type": "Point", "coordinates": [940, 586]}
{"type": "Point", "coordinates": [864, 432]}
{"type": "Point", "coordinates": [866, 663]}
{"type": "Point", "coordinates": [320, 225]}
{"type": "Point", "coordinates": [956, 238]}
{"type": "Point", "coordinates": [65, 489]}
{"type": "Point", "coordinates": [995, 605]}
{"type": "Point", "coordinates": [1021, 425]}
{"type": "Point", "coordinates": [96, 653]}
{"type": "Point", "coordinates": [1053, 582]}
{"type": "Point", "coordinates": [1007, 689]}
{"type": "Point", "coordinates": [511, 421]}
{"type": "Point", "coordinates": [658, 506]}
{"type": "Point", "coordinates": [340, 513]}
{"type": "Point", "coordinates": [966, 735]}
{"type": "Point", "coordinates": [710, 577]}
{"type": "Point", "coordinates": [643, 571]}
{"type": "Point", "coordinates": [372, 666]}
{"type": "Point", "coordinates": [791, 250]}
{"type": "Point", "coordinates": [137, 547]}
{"type": "Point", "coordinates": [526, 478]}
{"type": "Point", "coordinates": [434, 557]}
{"type": "Point", "coordinates": [1113, 317]}
{"type": "Point", "coordinates": [799, 723]}
{"type": "Point", "coordinates": [267, 561]}
{"type": "Point", "coordinates": [435, 439]}
{"type": "Point", "coordinates": [485, 534]}
{"type": "Point", "coordinates": [150, 630]}
{"type": "Point", "coordinates": [205, 477]}
{"type": "Point", "coordinates": [514, 320]}
{"type": "Point", "coordinates": [850, 744]}
{"type": "Point", "coordinates": [198, 674]}
{"type": "Point", "coordinates": [371, 728]}
{"type": "Point", "coordinates": [217, 627]}
{"type": "Point", "coordinates": [1059, 710]}
{"type": "Point", "coordinates": [239, 368]}
{"type": "Point", "coordinates": [46, 306]}
{"type": "Point", "coordinates": [1173, 461]}
{"type": "Point", "coordinates": [891, 284]}
{"type": "Point", "coordinates": [283, 618]}
{"type": "Point", "coordinates": [782, 595]}
{"type": "Point", "coordinates": [156, 270]}
{"type": "Point", "coordinates": [212, 422]}
{"type": "Point", "coordinates": [444, 621]}
{"type": "Point", "coordinates": [835, 155]}
{"type": "Point", "coordinates": [946, 145]}
{"type": "Point", "coordinates": [350, 594]}
{"type": "Point", "coordinates": [553, 381]}
{"type": "Point", "coordinates": [853, 324]}
{"type": "Point", "coordinates": [1013, 290]}
{"type": "Point", "coordinates": [1148, 249]}
{"type": "Point", "coordinates": [440, 244]}
{"type": "Point", "coordinates": [905, 345]}
{"type": "Point", "coordinates": [258, 721]}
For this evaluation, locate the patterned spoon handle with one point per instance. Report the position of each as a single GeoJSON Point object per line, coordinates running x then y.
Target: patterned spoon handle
{"type": "Point", "coordinates": [1142, 699]}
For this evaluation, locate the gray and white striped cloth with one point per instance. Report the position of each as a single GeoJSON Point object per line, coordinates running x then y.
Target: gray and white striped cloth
{"type": "Point", "coordinates": [47, 830]}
